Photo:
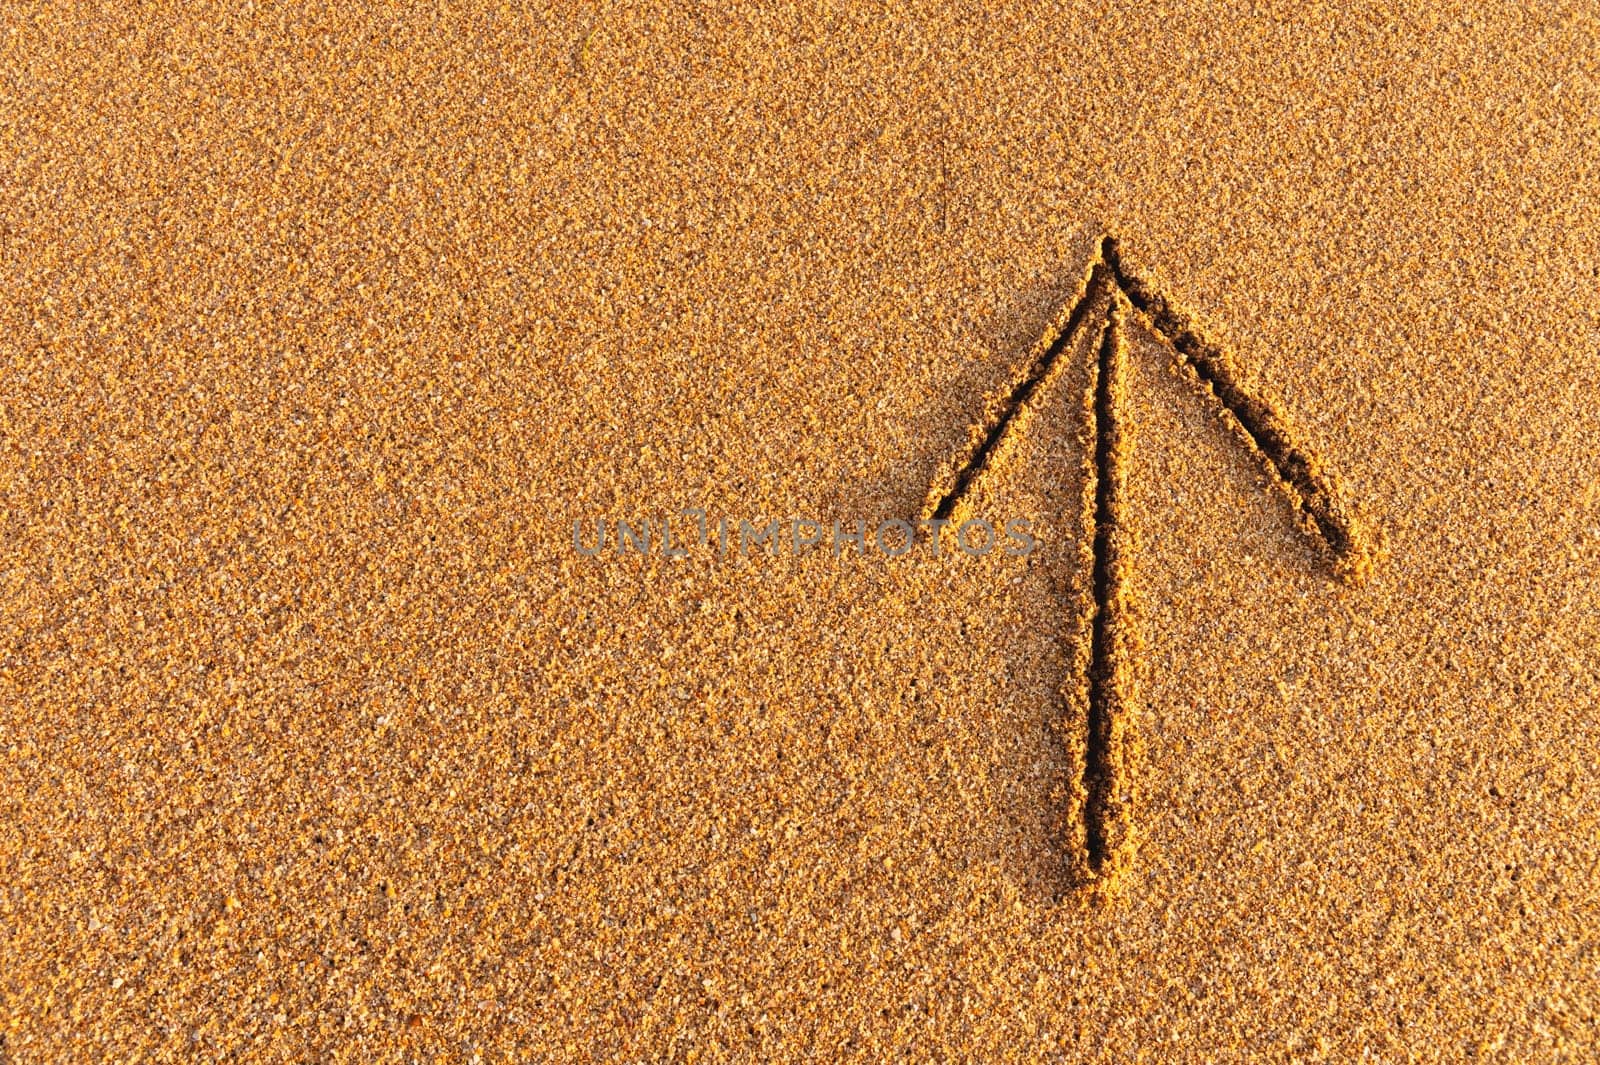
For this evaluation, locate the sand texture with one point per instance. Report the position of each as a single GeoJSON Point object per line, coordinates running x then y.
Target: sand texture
{"type": "Point", "coordinates": [320, 325]}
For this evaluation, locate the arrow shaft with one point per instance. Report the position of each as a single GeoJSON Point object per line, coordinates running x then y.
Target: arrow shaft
{"type": "Point", "coordinates": [1107, 778]}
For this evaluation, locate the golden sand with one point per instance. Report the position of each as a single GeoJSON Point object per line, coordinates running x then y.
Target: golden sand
{"type": "Point", "coordinates": [320, 328]}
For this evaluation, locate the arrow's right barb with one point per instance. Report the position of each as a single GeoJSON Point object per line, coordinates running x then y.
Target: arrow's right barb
{"type": "Point", "coordinates": [1314, 492]}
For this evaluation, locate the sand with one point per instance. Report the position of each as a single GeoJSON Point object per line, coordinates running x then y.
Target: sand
{"type": "Point", "coordinates": [320, 328]}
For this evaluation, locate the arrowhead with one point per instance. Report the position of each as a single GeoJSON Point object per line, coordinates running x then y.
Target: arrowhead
{"type": "Point", "coordinates": [1311, 489]}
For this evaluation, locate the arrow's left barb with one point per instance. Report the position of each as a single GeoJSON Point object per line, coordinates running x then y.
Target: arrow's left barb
{"type": "Point", "coordinates": [949, 488]}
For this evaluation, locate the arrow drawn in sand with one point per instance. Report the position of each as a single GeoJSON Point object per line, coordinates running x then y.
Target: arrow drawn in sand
{"type": "Point", "coordinates": [1101, 831]}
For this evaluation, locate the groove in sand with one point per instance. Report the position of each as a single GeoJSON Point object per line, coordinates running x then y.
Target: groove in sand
{"type": "Point", "coordinates": [1308, 485]}
{"type": "Point", "coordinates": [1098, 277]}
{"type": "Point", "coordinates": [1107, 789]}
{"type": "Point", "coordinates": [1104, 829]}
